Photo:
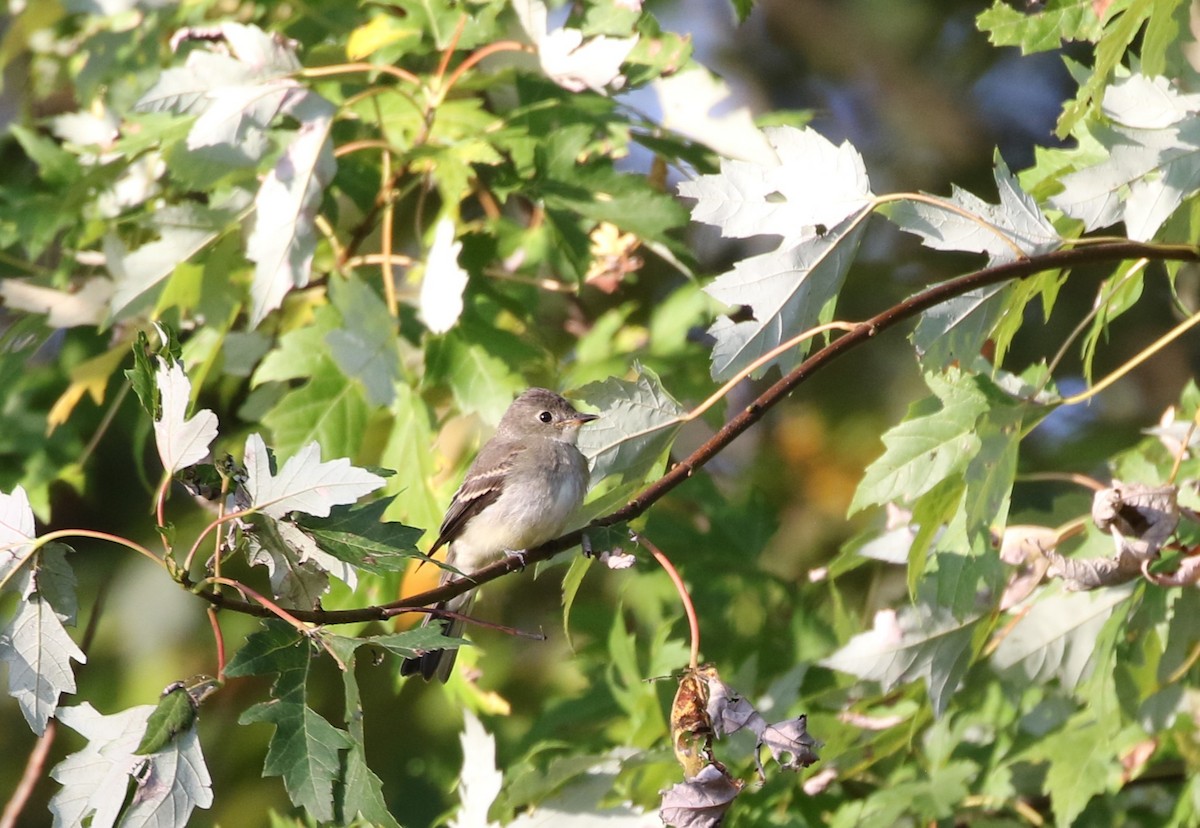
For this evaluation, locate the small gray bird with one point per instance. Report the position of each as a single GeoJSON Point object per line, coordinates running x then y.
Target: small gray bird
{"type": "Point", "coordinates": [521, 491]}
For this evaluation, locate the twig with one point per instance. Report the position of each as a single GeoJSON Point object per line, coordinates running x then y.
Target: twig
{"type": "Point", "coordinates": [29, 778]}
{"type": "Point", "coordinates": [681, 588]}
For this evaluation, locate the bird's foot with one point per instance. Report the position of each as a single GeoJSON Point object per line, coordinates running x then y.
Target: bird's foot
{"type": "Point", "coordinates": [519, 555]}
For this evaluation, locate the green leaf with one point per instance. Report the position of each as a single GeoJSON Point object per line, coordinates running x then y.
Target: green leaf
{"type": "Point", "coordinates": [1119, 32]}
{"type": "Point", "coordinates": [482, 382]}
{"type": "Point", "coordinates": [407, 451]}
{"type": "Point", "coordinates": [638, 422]}
{"type": "Point", "coordinates": [304, 748]}
{"type": "Point", "coordinates": [929, 446]}
{"type": "Point", "coordinates": [580, 565]}
{"type": "Point", "coordinates": [922, 641]}
{"type": "Point", "coordinates": [1054, 23]}
{"type": "Point", "coordinates": [364, 347]}
{"type": "Point", "coordinates": [358, 535]}
{"type": "Point", "coordinates": [360, 796]}
{"type": "Point", "coordinates": [414, 642]}
{"type": "Point", "coordinates": [1056, 637]}
{"type": "Point", "coordinates": [329, 410]}
{"type": "Point", "coordinates": [175, 713]}
{"type": "Point", "coordinates": [1081, 766]}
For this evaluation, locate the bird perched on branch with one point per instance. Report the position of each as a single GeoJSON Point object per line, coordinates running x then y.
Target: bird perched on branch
{"type": "Point", "coordinates": [527, 482]}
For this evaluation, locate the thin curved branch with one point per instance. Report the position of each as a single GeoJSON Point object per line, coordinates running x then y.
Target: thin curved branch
{"type": "Point", "coordinates": [751, 414]}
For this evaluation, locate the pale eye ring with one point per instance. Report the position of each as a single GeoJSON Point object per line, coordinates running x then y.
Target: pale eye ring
{"type": "Point", "coordinates": [545, 416]}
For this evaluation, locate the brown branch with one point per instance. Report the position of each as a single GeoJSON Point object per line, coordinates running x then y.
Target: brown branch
{"type": "Point", "coordinates": [863, 332]}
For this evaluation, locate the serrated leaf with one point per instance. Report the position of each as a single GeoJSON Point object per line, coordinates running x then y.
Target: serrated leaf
{"type": "Point", "coordinates": [361, 792]}
{"type": "Point", "coordinates": [1056, 637]}
{"type": "Point", "coordinates": [304, 751]}
{"type": "Point", "coordinates": [359, 536]}
{"type": "Point", "coordinates": [697, 104]}
{"type": "Point", "coordinates": [1053, 23]}
{"type": "Point", "coordinates": [954, 332]}
{"type": "Point", "coordinates": [95, 780]}
{"type": "Point", "coordinates": [1119, 32]}
{"type": "Point", "coordinates": [295, 578]}
{"type": "Point", "coordinates": [284, 239]}
{"type": "Point", "coordinates": [1013, 229]}
{"type": "Point", "coordinates": [183, 231]}
{"type": "Point", "coordinates": [479, 782]}
{"type": "Point", "coordinates": [921, 641]}
{"type": "Point", "coordinates": [927, 447]}
{"type": "Point", "coordinates": [235, 96]}
{"type": "Point", "coordinates": [1080, 763]}
{"type": "Point", "coordinates": [304, 484]}
{"type": "Point", "coordinates": [182, 441]}
{"type": "Point", "coordinates": [171, 782]}
{"type": "Point", "coordinates": [413, 642]}
{"type": "Point", "coordinates": [814, 184]}
{"type": "Point", "coordinates": [38, 651]}
{"type": "Point", "coordinates": [1147, 103]}
{"type": "Point", "coordinates": [1145, 178]}
{"type": "Point", "coordinates": [788, 291]}
{"type": "Point", "coordinates": [330, 409]}
{"type": "Point", "coordinates": [174, 713]}
{"type": "Point", "coordinates": [304, 748]}
{"type": "Point", "coordinates": [16, 533]}
{"type": "Point", "coordinates": [639, 421]}
{"type": "Point", "coordinates": [482, 382]}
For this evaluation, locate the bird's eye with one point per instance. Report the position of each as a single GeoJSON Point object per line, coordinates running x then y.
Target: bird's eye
{"type": "Point", "coordinates": [545, 416]}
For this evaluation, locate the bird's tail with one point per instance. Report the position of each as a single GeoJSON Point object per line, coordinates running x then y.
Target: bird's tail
{"type": "Point", "coordinates": [440, 663]}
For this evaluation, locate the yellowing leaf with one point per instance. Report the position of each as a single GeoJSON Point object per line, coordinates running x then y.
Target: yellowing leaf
{"type": "Point", "coordinates": [380, 32]}
{"type": "Point", "coordinates": [88, 377]}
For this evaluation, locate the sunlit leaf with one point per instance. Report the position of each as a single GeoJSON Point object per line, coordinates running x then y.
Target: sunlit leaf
{"type": "Point", "coordinates": [1013, 229]}
{"type": "Point", "coordinates": [169, 783]}
{"type": "Point", "coordinates": [16, 533]}
{"type": "Point", "coordinates": [1056, 637]}
{"type": "Point", "coordinates": [480, 781]}
{"type": "Point", "coordinates": [305, 483]}
{"type": "Point", "coordinates": [182, 441]}
{"type": "Point", "coordinates": [788, 291]}
{"type": "Point", "coordinates": [638, 421]}
{"type": "Point", "coordinates": [814, 185]}
{"type": "Point", "coordinates": [1041, 28]}
{"type": "Point", "coordinates": [929, 446]}
{"type": "Point", "coordinates": [35, 644]}
{"type": "Point", "coordinates": [921, 641]}
{"type": "Point", "coordinates": [284, 238]}
{"type": "Point", "coordinates": [444, 280]}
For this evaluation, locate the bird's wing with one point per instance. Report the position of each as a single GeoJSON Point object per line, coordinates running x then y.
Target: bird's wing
{"type": "Point", "coordinates": [484, 482]}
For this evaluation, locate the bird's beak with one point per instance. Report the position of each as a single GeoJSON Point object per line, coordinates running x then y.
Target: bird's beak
{"type": "Point", "coordinates": [580, 419]}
